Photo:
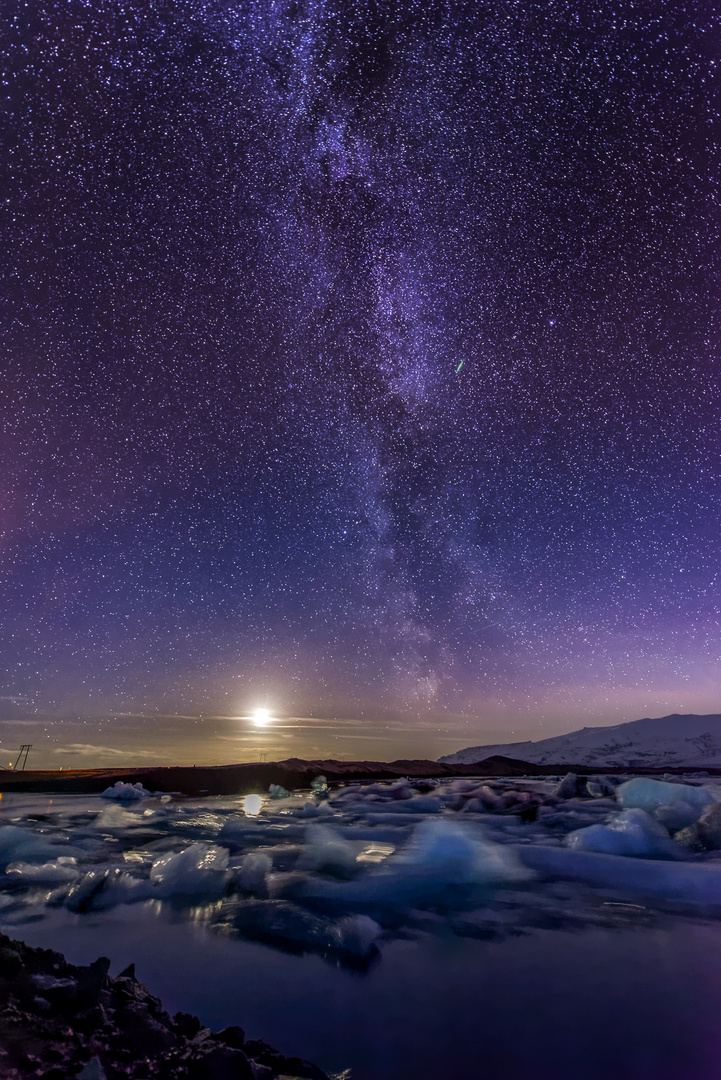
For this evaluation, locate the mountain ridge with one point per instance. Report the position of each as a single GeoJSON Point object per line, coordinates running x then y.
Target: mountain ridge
{"type": "Point", "coordinates": [686, 739]}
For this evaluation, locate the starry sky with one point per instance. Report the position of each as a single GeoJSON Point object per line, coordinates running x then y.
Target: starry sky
{"type": "Point", "coordinates": [359, 363]}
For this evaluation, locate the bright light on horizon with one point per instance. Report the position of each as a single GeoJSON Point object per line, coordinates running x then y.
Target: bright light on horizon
{"type": "Point", "coordinates": [260, 717]}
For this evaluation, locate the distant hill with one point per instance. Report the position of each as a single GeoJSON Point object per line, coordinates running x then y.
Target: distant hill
{"type": "Point", "coordinates": [668, 740]}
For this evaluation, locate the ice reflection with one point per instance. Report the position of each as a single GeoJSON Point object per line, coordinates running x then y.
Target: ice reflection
{"type": "Point", "coordinates": [375, 852]}
{"type": "Point", "coordinates": [252, 805]}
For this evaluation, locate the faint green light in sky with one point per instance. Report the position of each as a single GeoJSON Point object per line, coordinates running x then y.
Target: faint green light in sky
{"type": "Point", "coordinates": [459, 367]}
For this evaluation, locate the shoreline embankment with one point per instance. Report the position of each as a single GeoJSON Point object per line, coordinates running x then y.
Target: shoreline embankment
{"type": "Point", "coordinates": [294, 774]}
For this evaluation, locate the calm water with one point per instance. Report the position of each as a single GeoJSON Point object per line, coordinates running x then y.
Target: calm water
{"type": "Point", "coordinates": [634, 1004]}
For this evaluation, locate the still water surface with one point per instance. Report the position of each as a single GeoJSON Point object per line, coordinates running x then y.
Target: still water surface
{"type": "Point", "coordinates": [632, 1004]}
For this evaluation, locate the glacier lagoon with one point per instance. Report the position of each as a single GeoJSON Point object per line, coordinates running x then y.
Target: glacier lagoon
{"type": "Point", "coordinates": [399, 931]}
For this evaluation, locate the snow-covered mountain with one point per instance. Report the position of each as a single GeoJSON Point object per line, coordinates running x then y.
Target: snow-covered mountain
{"type": "Point", "coordinates": [668, 740]}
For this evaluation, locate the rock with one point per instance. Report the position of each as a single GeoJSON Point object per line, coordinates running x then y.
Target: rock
{"type": "Point", "coordinates": [92, 1020]}
{"type": "Point", "coordinates": [89, 1012]}
{"type": "Point", "coordinates": [91, 981]}
{"type": "Point", "coordinates": [232, 1036]}
{"type": "Point", "coordinates": [145, 1034]}
{"type": "Point", "coordinates": [262, 1072]}
{"type": "Point", "coordinates": [290, 1066]}
{"type": "Point", "coordinates": [187, 1025]}
{"type": "Point", "coordinates": [10, 963]}
{"type": "Point", "coordinates": [225, 1063]}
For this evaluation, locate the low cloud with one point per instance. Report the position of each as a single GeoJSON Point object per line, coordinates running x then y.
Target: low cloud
{"type": "Point", "coordinates": [90, 749]}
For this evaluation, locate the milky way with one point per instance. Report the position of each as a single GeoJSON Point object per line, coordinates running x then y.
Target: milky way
{"type": "Point", "coordinates": [359, 355]}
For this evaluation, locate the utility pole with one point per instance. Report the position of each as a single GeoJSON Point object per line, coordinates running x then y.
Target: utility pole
{"type": "Point", "coordinates": [263, 755]}
{"type": "Point", "coordinates": [25, 749]}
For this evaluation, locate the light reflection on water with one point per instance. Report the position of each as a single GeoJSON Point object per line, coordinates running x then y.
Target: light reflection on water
{"type": "Point", "coordinates": [252, 805]}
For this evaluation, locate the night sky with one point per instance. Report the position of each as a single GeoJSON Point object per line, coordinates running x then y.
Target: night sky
{"type": "Point", "coordinates": [359, 362]}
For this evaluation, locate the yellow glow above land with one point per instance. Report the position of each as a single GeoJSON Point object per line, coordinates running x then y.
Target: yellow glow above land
{"type": "Point", "coordinates": [260, 717]}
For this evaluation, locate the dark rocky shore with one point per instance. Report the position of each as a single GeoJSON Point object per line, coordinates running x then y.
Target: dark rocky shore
{"type": "Point", "coordinates": [294, 773]}
{"type": "Point", "coordinates": [59, 1021]}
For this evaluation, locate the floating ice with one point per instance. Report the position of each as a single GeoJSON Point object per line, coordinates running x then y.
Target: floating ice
{"type": "Point", "coordinates": [295, 928]}
{"type": "Point", "coordinates": [314, 810]}
{"type": "Point", "coordinates": [253, 872]}
{"type": "Point", "coordinates": [284, 922]}
{"type": "Point", "coordinates": [83, 896]}
{"type": "Point", "coordinates": [60, 872]}
{"type": "Point", "coordinates": [319, 787]}
{"type": "Point", "coordinates": [442, 860]}
{"type": "Point", "coordinates": [646, 794]}
{"type": "Point", "coordinates": [126, 792]}
{"type": "Point", "coordinates": [400, 790]}
{"type": "Point", "coordinates": [99, 890]}
{"type": "Point", "coordinates": [326, 851]}
{"type": "Point", "coordinates": [705, 834]}
{"type": "Point", "coordinates": [198, 870]}
{"type": "Point", "coordinates": [677, 815]}
{"type": "Point", "coordinates": [21, 844]}
{"type": "Point", "coordinates": [598, 787]}
{"type": "Point", "coordinates": [692, 883]}
{"type": "Point", "coordinates": [115, 819]}
{"type": "Point", "coordinates": [632, 832]}
{"type": "Point", "coordinates": [358, 934]}
{"type": "Point", "coordinates": [571, 787]}
{"type": "Point", "coordinates": [444, 851]}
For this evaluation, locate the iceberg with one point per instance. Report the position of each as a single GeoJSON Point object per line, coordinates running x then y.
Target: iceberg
{"type": "Point", "coordinates": [253, 873]}
{"type": "Point", "coordinates": [632, 832]}
{"type": "Point", "coordinates": [327, 852]}
{"type": "Point", "coordinates": [126, 792]}
{"type": "Point", "coordinates": [200, 869]}
{"type": "Point", "coordinates": [645, 794]}
{"type": "Point", "coordinates": [59, 872]}
{"type": "Point", "coordinates": [443, 861]}
{"type": "Point", "coordinates": [358, 935]}
{"type": "Point", "coordinates": [691, 883]}
{"type": "Point", "coordinates": [18, 844]}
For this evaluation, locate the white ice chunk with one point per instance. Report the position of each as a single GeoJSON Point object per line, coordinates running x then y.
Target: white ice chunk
{"type": "Point", "coordinates": [677, 815]}
{"type": "Point", "coordinates": [314, 810]}
{"type": "Point", "coordinates": [632, 832]}
{"type": "Point", "coordinates": [20, 844]}
{"type": "Point", "coordinates": [691, 882]}
{"type": "Point", "coordinates": [358, 934]}
{"type": "Point", "coordinates": [126, 792]}
{"type": "Point", "coordinates": [114, 818]}
{"type": "Point", "coordinates": [49, 873]}
{"type": "Point", "coordinates": [254, 870]}
{"type": "Point", "coordinates": [123, 888]}
{"type": "Point", "coordinates": [441, 858]}
{"type": "Point", "coordinates": [444, 851]}
{"type": "Point", "coordinates": [647, 794]}
{"type": "Point", "coordinates": [326, 851]}
{"type": "Point", "coordinates": [199, 869]}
